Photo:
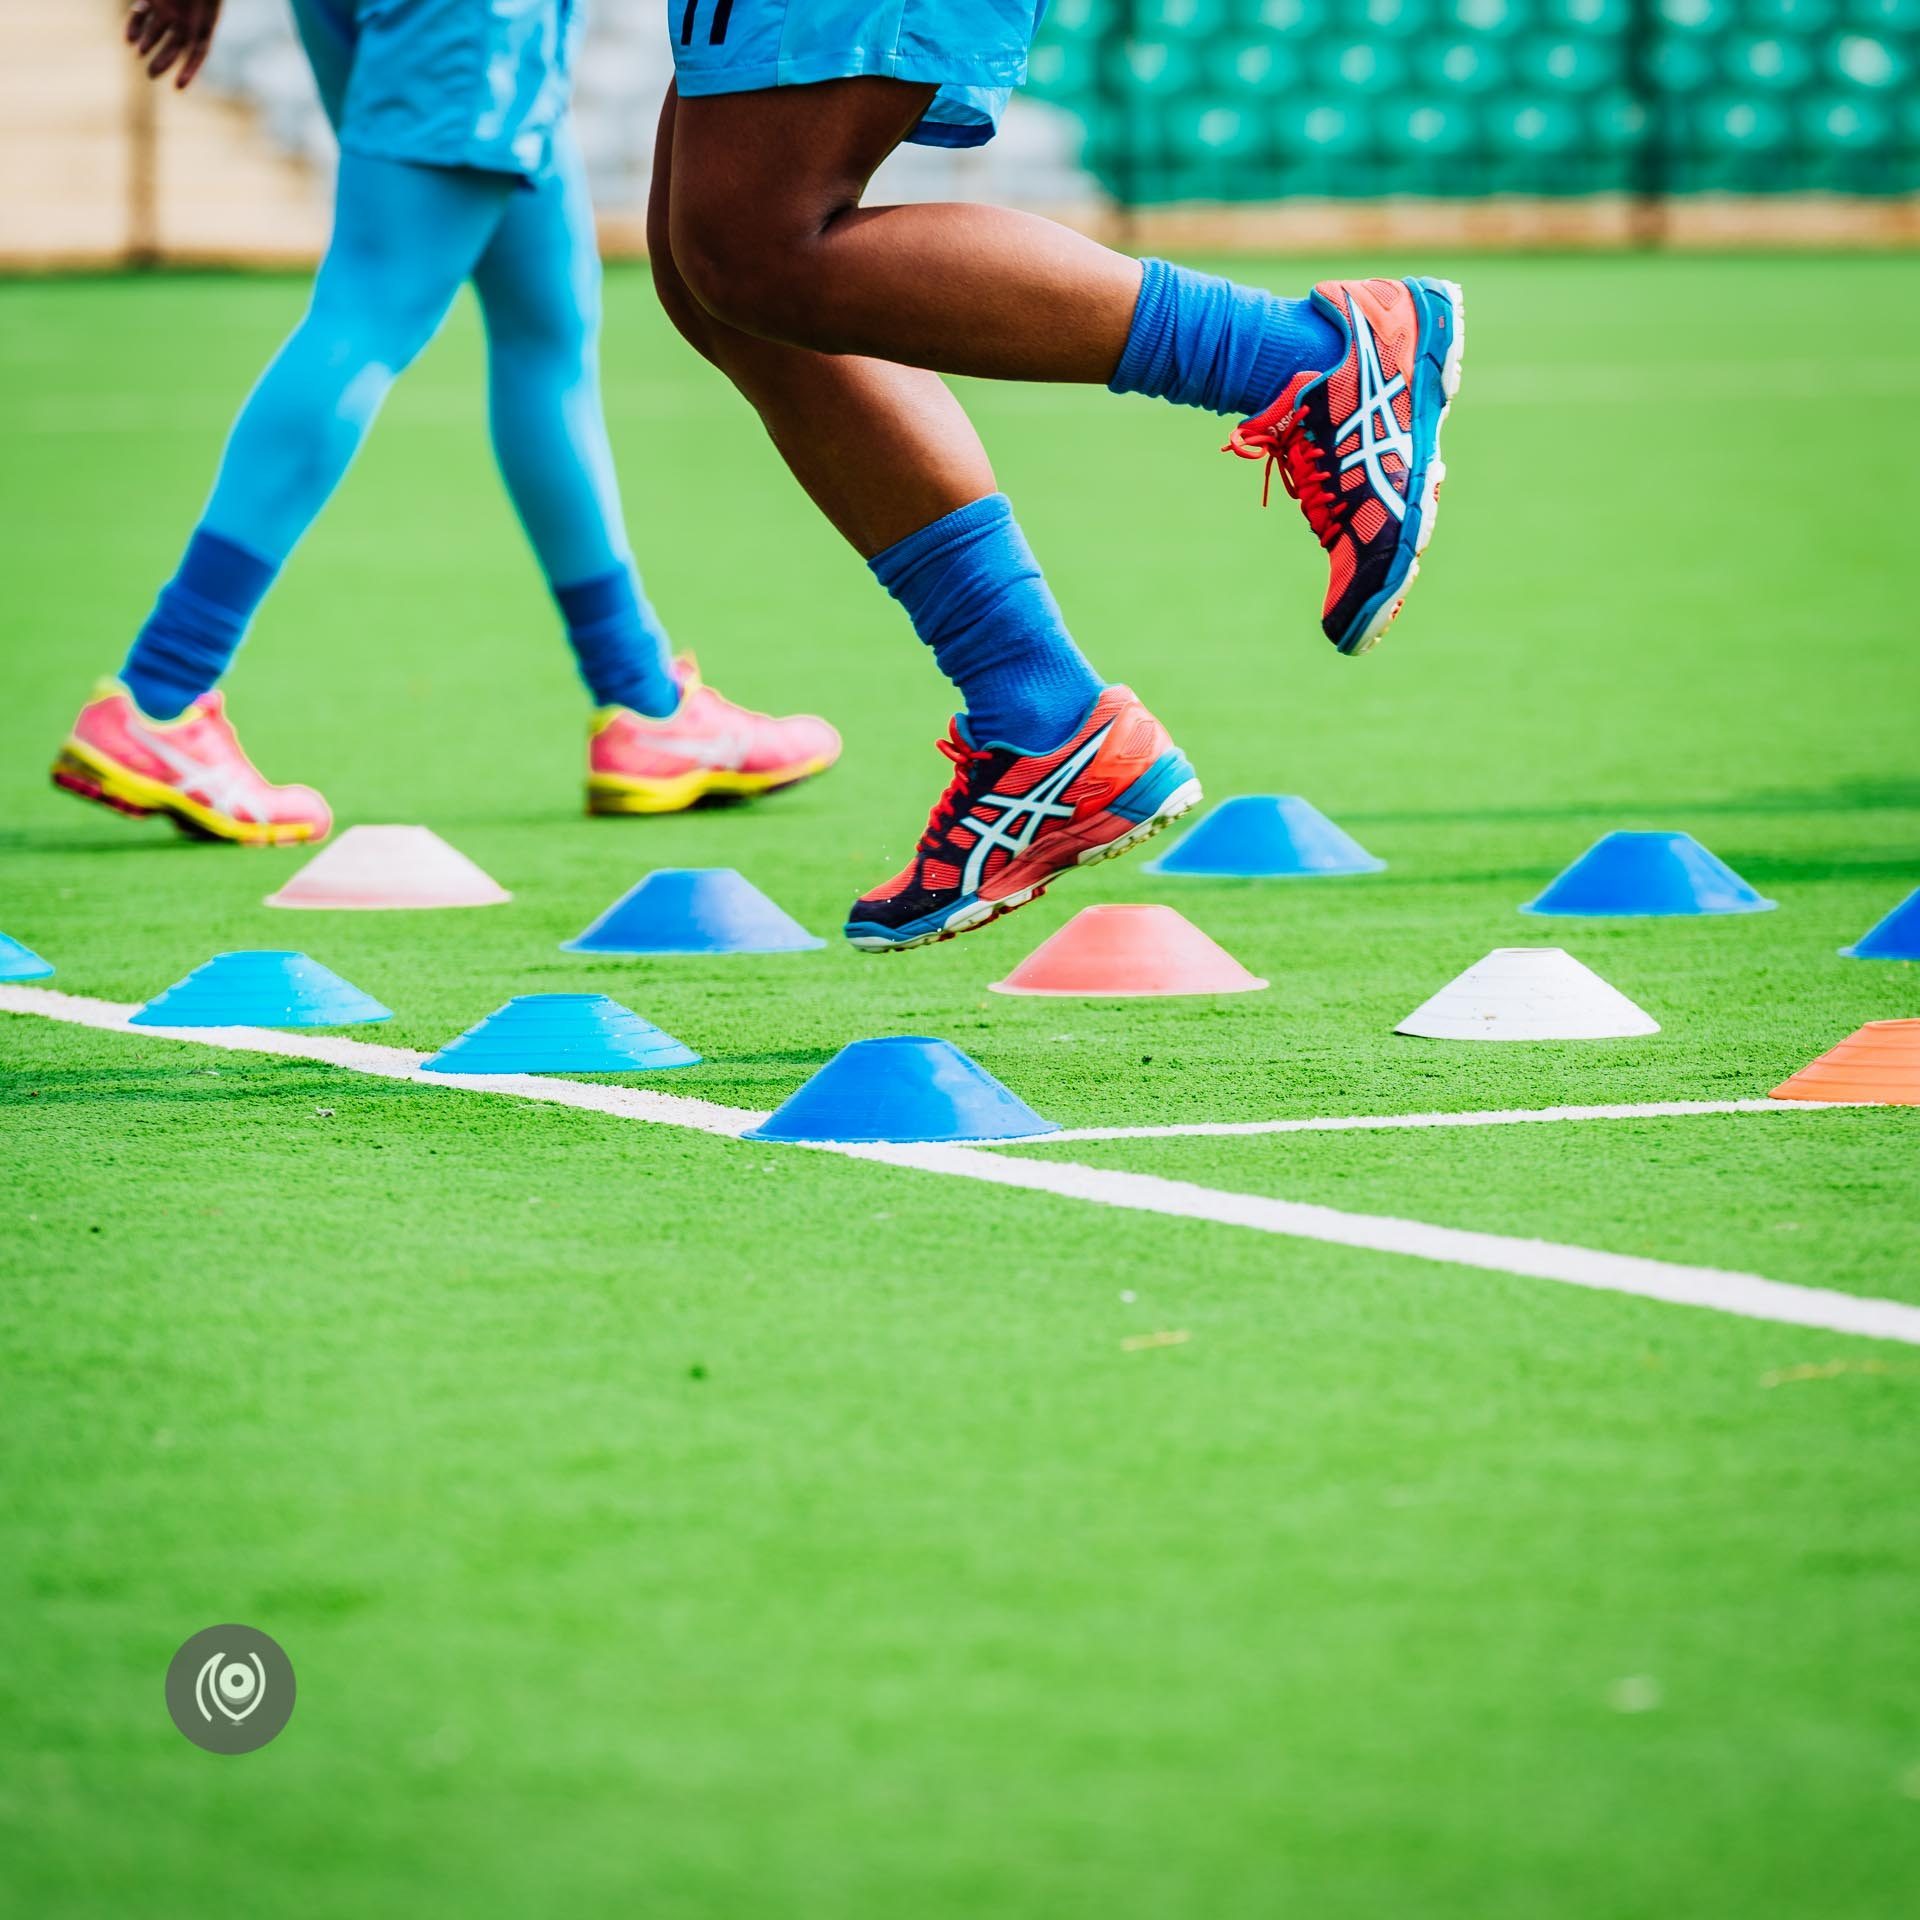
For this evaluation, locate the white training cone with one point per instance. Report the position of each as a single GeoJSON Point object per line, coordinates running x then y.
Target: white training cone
{"type": "Point", "coordinates": [1528, 993]}
{"type": "Point", "coordinates": [375, 867]}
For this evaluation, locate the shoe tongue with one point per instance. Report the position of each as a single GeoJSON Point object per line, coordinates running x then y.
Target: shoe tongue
{"type": "Point", "coordinates": [686, 670]}
{"type": "Point", "coordinates": [1295, 388]}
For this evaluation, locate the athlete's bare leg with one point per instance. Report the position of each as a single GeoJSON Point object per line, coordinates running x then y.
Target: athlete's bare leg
{"type": "Point", "coordinates": [768, 234]}
{"type": "Point", "coordinates": [883, 450]}
{"type": "Point", "coordinates": [891, 459]}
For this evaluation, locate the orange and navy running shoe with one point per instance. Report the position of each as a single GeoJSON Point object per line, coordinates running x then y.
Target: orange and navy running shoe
{"type": "Point", "coordinates": [1359, 445]}
{"type": "Point", "coordinates": [707, 747]}
{"type": "Point", "coordinates": [192, 769]}
{"type": "Point", "coordinates": [1010, 821]}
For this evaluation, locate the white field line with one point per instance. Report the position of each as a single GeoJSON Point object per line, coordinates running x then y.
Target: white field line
{"type": "Point", "coordinates": [1744, 1294]}
{"type": "Point", "coordinates": [1381, 1122]}
{"type": "Point", "coordinates": [392, 1063]}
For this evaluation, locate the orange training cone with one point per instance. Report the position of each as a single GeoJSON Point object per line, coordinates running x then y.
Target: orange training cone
{"type": "Point", "coordinates": [1128, 953]}
{"type": "Point", "coordinates": [1879, 1065]}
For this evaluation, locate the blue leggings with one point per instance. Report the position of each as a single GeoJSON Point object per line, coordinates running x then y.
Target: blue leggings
{"type": "Point", "coordinates": [405, 240]}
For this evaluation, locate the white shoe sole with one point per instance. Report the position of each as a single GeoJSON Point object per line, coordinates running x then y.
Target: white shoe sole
{"type": "Point", "coordinates": [1436, 472]}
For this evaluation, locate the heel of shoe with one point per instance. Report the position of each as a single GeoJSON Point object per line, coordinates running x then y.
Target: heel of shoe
{"type": "Point", "coordinates": [73, 775]}
{"type": "Point", "coordinates": [611, 796]}
{"type": "Point", "coordinates": [1446, 343]}
{"type": "Point", "coordinates": [1149, 794]}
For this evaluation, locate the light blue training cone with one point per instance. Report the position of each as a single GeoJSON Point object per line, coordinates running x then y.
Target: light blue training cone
{"type": "Point", "coordinates": [261, 990]}
{"type": "Point", "coordinates": [1266, 836]}
{"type": "Point", "coordinates": [21, 963]}
{"type": "Point", "coordinates": [1897, 937]}
{"type": "Point", "coordinates": [694, 910]}
{"type": "Point", "coordinates": [905, 1091]}
{"type": "Point", "coordinates": [1648, 875]}
{"type": "Point", "coordinates": [562, 1033]}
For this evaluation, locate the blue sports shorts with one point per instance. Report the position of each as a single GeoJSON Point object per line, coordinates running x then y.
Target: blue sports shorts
{"type": "Point", "coordinates": [974, 51]}
{"type": "Point", "coordinates": [444, 83]}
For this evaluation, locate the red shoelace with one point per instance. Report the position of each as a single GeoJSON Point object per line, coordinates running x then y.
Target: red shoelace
{"type": "Point", "coordinates": [1285, 443]}
{"type": "Point", "coordinates": [947, 808]}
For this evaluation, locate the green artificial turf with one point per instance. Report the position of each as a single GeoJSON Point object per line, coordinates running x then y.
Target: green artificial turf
{"type": "Point", "coordinates": [662, 1524]}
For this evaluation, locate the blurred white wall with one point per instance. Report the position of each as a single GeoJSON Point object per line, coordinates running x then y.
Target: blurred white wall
{"type": "Point", "coordinates": [97, 164]}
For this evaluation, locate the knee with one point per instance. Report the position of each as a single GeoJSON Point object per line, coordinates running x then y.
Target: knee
{"type": "Point", "coordinates": [369, 340]}
{"type": "Point", "coordinates": [372, 304]}
{"type": "Point", "coordinates": [554, 333]}
{"type": "Point", "coordinates": [758, 275]}
{"type": "Point", "coordinates": [690, 319]}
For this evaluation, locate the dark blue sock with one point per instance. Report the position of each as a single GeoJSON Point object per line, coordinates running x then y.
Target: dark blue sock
{"type": "Point", "coordinates": [1206, 342]}
{"type": "Point", "coordinates": [197, 622]}
{"type": "Point", "coordinates": [976, 596]}
{"type": "Point", "coordinates": [620, 644]}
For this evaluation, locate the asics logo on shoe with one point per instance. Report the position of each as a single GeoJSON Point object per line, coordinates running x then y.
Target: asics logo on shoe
{"type": "Point", "coordinates": [1025, 813]}
{"type": "Point", "coordinates": [225, 789]}
{"type": "Point", "coordinates": [722, 750]}
{"type": "Point", "coordinates": [1374, 419]}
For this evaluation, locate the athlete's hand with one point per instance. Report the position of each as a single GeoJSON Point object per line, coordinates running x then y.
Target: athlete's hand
{"type": "Point", "coordinates": [166, 33]}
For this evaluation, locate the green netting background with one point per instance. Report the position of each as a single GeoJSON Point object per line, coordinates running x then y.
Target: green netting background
{"type": "Point", "coordinates": [1267, 99]}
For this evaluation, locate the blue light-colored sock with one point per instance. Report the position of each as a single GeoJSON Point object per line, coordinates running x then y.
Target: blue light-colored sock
{"type": "Point", "coordinates": [619, 643]}
{"type": "Point", "coordinates": [1202, 341]}
{"type": "Point", "coordinates": [199, 619]}
{"type": "Point", "coordinates": [977, 597]}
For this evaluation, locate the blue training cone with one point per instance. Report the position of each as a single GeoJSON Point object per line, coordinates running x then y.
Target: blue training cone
{"type": "Point", "coordinates": [21, 963]}
{"type": "Point", "coordinates": [1648, 874]}
{"type": "Point", "coordinates": [1897, 937]}
{"type": "Point", "coordinates": [694, 910]}
{"type": "Point", "coordinates": [909, 1090]}
{"type": "Point", "coordinates": [261, 990]}
{"type": "Point", "coordinates": [1266, 836]}
{"type": "Point", "coordinates": [562, 1033]}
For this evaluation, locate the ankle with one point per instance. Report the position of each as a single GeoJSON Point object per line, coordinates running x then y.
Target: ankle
{"type": "Point", "coordinates": [197, 623]}
{"type": "Point", "coordinates": [1201, 341]}
{"type": "Point", "coordinates": [619, 644]}
{"type": "Point", "coordinates": [976, 596]}
{"type": "Point", "coordinates": [1033, 712]}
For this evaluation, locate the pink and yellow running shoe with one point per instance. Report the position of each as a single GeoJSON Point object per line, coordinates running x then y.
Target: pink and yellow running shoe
{"type": "Point", "coordinates": [1358, 445]}
{"type": "Point", "coordinates": [193, 769]}
{"type": "Point", "coordinates": [708, 747]}
{"type": "Point", "coordinates": [1010, 822]}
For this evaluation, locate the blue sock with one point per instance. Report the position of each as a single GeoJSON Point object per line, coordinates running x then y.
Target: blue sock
{"type": "Point", "coordinates": [197, 622]}
{"type": "Point", "coordinates": [1205, 342]}
{"type": "Point", "coordinates": [976, 596]}
{"type": "Point", "coordinates": [619, 643]}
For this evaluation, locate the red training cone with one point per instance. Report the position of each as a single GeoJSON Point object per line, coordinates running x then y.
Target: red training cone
{"type": "Point", "coordinates": [1878, 1066]}
{"type": "Point", "coordinates": [1128, 953]}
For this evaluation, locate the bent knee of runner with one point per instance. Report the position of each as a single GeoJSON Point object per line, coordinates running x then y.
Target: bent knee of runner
{"type": "Point", "coordinates": [691, 320]}
{"type": "Point", "coordinates": [762, 273]}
